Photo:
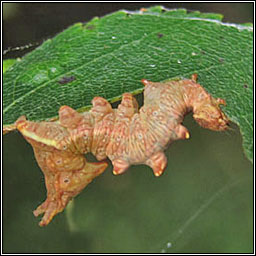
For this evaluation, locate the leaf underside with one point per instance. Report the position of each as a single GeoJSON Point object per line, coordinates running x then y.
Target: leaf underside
{"type": "Point", "coordinates": [109, 56]}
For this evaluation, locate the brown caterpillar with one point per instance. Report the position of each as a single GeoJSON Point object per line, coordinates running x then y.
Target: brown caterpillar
{"type": "Point", "coordinates": [125, 135]}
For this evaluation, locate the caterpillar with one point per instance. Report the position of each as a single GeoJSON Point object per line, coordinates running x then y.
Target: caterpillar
{"type": "Point", "coordinates": [126, 135]}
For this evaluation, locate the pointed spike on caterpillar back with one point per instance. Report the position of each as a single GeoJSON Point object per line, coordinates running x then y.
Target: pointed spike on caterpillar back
{"type": "Point", "coordinates": [145, 82]}
{"type": "Point", "coordinates": [194, 77]}
{"type": "Point", "coordinates": [20, 122]}
{"type": "Point", "coordinates": [128, 107]}
{"type": "Point", "coordinates": [68, 117]}
{"type": "Point", "coordinates": [221, 101]}
{"type": "Point", "coordinates": [101, 107]}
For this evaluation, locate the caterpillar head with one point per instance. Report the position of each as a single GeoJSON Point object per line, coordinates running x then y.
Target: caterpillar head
{"type": "Point", "coordinates": [209, 115]}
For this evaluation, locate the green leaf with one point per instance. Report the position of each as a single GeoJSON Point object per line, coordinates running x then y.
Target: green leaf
{"type": "Point", "coordinates": [109, 56]}
{"type": "Point", "coordinates": [8, 63]}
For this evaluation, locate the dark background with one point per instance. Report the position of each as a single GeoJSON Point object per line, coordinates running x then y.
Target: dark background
{"type": "Point", "coordinates": [32, 23]}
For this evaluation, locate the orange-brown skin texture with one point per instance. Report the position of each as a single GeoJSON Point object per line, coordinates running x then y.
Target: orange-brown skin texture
{"type": "Point", "coordinates": [65, 168]}
{"type": "Point", "coordinates": [141, 136]}
{"type": "Point", "coordinates": [125, 135]}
